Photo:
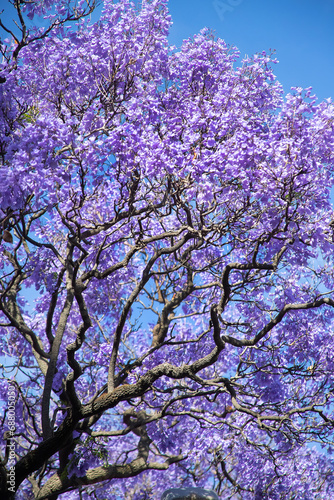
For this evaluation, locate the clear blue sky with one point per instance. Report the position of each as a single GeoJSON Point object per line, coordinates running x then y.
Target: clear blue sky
{"type": "Point", "coordinates": [301, 32]}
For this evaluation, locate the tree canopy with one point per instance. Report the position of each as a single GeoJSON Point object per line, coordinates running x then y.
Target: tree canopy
{"type": "Point", "coordinates": [166, 291]}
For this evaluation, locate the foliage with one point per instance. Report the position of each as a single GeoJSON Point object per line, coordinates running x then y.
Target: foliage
{"type": "Point", "coordinates": [167, 263]}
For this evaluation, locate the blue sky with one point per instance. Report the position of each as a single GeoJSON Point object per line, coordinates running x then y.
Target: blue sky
{"type": "Point", "coordinates": [301, 32]}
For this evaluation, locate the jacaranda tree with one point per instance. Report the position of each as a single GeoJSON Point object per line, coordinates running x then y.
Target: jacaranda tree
{"type": "Point", "coordinates": [167, 263]}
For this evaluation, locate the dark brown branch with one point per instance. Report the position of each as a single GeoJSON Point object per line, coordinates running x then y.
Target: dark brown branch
{"type": "Point", "coordinates": [146, 275]}
{"type": "Point", "coordinates": [47, 431]}
{"type": "Point", "coordinates": [59, 485]}
{"type": "Point", "coordinates": [278, 318]}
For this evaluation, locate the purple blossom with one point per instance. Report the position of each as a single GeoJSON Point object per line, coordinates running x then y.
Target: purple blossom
{"type": "Point", "coordinates": [166, 303]}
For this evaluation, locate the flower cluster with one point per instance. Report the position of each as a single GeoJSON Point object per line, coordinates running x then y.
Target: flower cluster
{"type": "Point", "coordinates": [166, 289]}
